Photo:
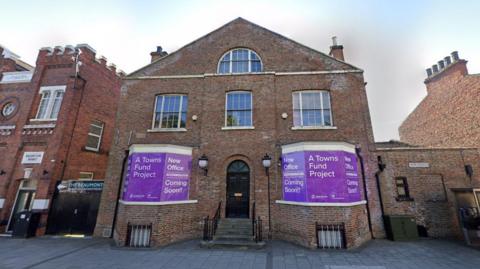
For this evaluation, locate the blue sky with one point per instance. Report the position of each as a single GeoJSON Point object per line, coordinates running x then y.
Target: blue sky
{"type": "Point", "coordinates": [393, 41]}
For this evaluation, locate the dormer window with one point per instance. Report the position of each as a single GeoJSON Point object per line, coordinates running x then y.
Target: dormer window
{"type": "Point", "coordinates": [240, 61]}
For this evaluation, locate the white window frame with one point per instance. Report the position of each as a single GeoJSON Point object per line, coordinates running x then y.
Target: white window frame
{"type": "Point", "coordinates": [90, 176]}
{"type": "Point", "coordinates": [226, 127]}
{"type": "Point", "coordinates": [230, 68]}
{"type": "Point", "coordinates": [161, 113]}
{"type": "Point", "coordinates": [96, 135]}
{"type": "Point", "coordinates": [322, 126]}
{"type": "Point", "coordinates": [53, 90]}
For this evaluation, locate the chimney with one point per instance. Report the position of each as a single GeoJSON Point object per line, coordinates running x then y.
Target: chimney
{"type": "Point", "coordinates": [455, 56]}
{"type": "Point", "coordinates": [159, 53]}
{"type": "Point", "coordinates": [441, 65]}
{"type": "Point", "coordinates": [429, 72]}
{"type": "Point", "coordinates": [336, 51]}
{"type": "Point", "coordinates": [448, 61]}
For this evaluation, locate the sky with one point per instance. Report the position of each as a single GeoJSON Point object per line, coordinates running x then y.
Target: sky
{"type": "Point", "coordinates": [393, 41]}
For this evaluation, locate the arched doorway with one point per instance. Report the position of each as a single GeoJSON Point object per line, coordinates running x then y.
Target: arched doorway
{"type": "Point", "coordinates": [238, 190]}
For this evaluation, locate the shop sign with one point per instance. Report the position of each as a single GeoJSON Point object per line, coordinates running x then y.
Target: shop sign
{"type": "Point", "coordinates": [80, 186]}
{"type": "Point", "coordinates": [32, 157]}
{"type": "Point", "coordinates": [320, 177]}
{"type": "Point", "coordinates": [157, 177]}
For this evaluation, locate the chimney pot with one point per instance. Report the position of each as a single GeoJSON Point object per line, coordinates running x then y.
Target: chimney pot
{"type": "Point", "coordinates": [435, 68]}
{"type": "Point", "coordinates": [159, 53]}
{"type": "Point", "coordinates": [441, 65]}
{"type": "Point", "coordinates": [336, 51]}
{"type": "Point", "coordinates": [429, 72]}
{"type": "Point", "coordinates": [455, 56]}
{"type": "Point", "coordinates": [334, 41]}
{"type": "Point", "coordinates": [448, 61]}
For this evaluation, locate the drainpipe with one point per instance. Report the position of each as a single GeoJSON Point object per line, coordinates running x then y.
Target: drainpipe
{"type": "Point", "coordinates": [119, 192]}
{"type": "Point", "coordinates": [362, 168]}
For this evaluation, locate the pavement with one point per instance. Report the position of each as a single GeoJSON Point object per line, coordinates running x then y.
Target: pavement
{"type": "Point", "coordinates": [72, 253]}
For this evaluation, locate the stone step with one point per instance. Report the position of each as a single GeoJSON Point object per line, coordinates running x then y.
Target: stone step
{"type": "Point", "coordinates": [232, 237]}
{"type": "Point", "coordinates": [233, 232]}
{"type": "Point", "coordinates": [233, 243]}
{"type": "Point", "coordinates": [240, 228]}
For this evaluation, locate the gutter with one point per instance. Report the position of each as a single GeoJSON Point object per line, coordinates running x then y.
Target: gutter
{"type": "Point", "coordinates": [362, 167]}
{"type": "Point", "coordinates": [119, 192]}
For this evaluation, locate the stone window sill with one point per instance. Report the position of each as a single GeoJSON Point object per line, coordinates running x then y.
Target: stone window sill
{"type": "Point", "coordinates": [166, 130]}
{"type": "Point", "coordinates": [43, 120]}
{"type": "Point", "coordinates": [228, 128]}
{"type": "Point", "coordinates": [296, 128]}
{"type": "Point", "coordinates": [159, 203]}
{"type": "Point", "coordinates": [320, 204]}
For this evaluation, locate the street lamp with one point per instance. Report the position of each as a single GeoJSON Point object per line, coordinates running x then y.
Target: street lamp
{"type": "Point", "coordinates": [267, 162]}
{"type": "Point", "coordinates": [203, 163]}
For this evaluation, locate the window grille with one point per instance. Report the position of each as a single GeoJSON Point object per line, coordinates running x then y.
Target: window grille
{"type": "Point", "coordinates": [331, 236]}
{"type": "Point", "coordinates": [138, 235]}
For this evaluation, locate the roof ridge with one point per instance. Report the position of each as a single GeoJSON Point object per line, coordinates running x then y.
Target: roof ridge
{"type": "Point", "coordinates": [249, 22]}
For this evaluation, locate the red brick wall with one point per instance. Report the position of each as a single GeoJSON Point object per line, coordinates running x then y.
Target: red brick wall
{"type": "Point", "coordinates": [92, 95]}
{"type": "Point", "coordinates": [297, 223]}
{"type": "Point", "coordinates": [448, 116]}
{"type": "Point", "coordinates": [430, 206]}
{"type": "Point", "coordinates": [272, 96]}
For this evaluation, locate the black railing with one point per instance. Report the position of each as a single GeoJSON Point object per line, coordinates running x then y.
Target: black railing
{"type": "Point", "coordinates": [257, 226]}
{"type": "Point", "coordinates": [210, 224]}
{"type": "Point", "coordinates": [253, 219]}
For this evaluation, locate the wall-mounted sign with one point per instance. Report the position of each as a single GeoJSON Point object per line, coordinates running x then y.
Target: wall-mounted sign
{"type": "Point", "coordinates": [17, 77]}
{"type": "Point", "coordinates": [80, 186]}
{"type": "Point", "coordinates": [157, 176]}
{"type": "Point", "coordinates": [32, 157]}
{"type": "Point", "coordinates": [326, 176]}
{"type": "Point", "coordinates": [418, 165]}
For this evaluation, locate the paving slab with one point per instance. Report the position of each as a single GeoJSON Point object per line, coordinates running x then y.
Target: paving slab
{"type": "Point", "coordinates": [58, 253]}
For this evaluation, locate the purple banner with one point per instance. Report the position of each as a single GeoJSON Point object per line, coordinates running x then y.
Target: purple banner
{"type": "Point", "coordinates": [157, 177]}
{"type": "Point", "coordinates": [320, 176]}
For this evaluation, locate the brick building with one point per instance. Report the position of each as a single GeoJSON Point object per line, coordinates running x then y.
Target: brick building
{"type": "Point", "coordinates": [431, 184]}
{"type": "Point", "coordinates": [198, 127]}
{"type": "Point", "coordinates": [448, 116]}
{"type": "Point", "coordinates": [56, 124]}
{"type": "Point", "coordinates": [445, 124]}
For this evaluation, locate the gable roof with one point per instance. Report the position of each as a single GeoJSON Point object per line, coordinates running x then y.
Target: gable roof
{"type": "Point", "coordinates": [242, 20]}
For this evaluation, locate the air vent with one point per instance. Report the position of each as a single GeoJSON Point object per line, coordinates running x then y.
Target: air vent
{"type": "Point", "coordinates": [138, 236]}
{"type": "Point", "coordinates": [331, 236]}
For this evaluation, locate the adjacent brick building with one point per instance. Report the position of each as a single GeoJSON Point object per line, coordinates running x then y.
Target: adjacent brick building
{"type": "Point", "coordinates": [194, 127]}
{"type": "Point", "coordinates": [56, 124]}
{"type": "Point", "coordinates": [431, 184]}
{"type": "Point", "coordinates": [449, 115]}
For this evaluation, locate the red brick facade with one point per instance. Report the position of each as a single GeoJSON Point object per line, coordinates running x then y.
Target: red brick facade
{"type": "Point", "coordinates": [448, 116]}
{"type": "Point", "coordinates": [433, 175]}
{"type": "Point", "coordinates": [89, 94]}
{"type": "Point", "coordinates": [192, 70]}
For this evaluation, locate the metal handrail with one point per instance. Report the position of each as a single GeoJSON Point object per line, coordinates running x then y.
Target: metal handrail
{"type": "Point", "coordinates": [257, 226]}
{"type": "Point", "coordinates": [210, 224]}
{"type": "Point", "coordinates": [253, 219]}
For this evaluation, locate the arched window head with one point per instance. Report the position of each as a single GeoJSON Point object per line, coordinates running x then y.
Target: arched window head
{"type": "Point", "coordinates": [240, 61]}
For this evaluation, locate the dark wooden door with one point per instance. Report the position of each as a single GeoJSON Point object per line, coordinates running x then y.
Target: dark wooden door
{"type": "Point", "coordinates": [238, 190]}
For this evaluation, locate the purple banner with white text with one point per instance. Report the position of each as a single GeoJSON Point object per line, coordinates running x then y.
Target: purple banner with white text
{"type": "Point", "coordinates": [320, 177]}
{"type": "Point", "coordinates": [157, 177]}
